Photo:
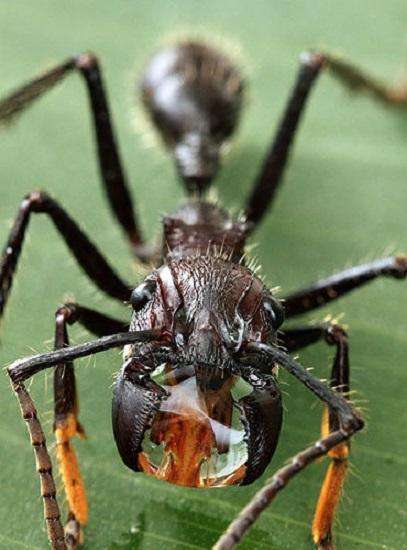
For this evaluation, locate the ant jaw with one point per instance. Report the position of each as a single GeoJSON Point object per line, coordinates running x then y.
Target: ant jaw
{"type": "Point", "coordinates": [167, 426]}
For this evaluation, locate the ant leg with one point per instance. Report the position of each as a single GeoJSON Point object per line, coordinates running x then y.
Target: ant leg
{"type": "Point", "coordinates": [87, 255]}
{"type": "Point", "coordinates": [345, 423]}
{"type": "Point", "coordinates": [335, 477]}
{"type": "Point", "coordinates": [21, 370]}
{"type": "Point", "coordinates": [65, 404]}
{"type": "Point", "coordinates": [267, 182]}
{"type": "Point", "coordinates": [110, 166]}
{"type": "Point", "coordinates": [55, 530]}
{"type": "Point", "coordinates": [293, 339]}
{"type": "Point", "coordinates": [331, 489]}
{"type": "Point", "coordinates": [269, 178]}
{"type": "Point", "coordinates": [332, 288]}
{"type": "Point", "coordinates": [359, 81]}
{"type": "Point", "coordinates": [66, 423]}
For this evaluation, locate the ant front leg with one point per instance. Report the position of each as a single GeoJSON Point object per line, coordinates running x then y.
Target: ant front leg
{"type": "Point", "coordinates": [85, 252]}
{"type": "Point", "coordinates": [331, 490]}
{"type": "Point", "coordinates": [66, 404]}
{"type": "Point", "coordinates": [344, 422]}
{"type": "Point", "coordinates": [332, 288]}
{"type": "Point", "coordinates": [66, 423]}
{"type": "Point", "coordinates": [112, 174]}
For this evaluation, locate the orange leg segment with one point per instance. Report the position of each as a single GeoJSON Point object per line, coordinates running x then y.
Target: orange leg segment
{"type": "Point", "coordinates": [66, 424]}
{"type": "Point", "coordinates": [331, 491]}
{"type": "Point", "coordinates": [69, 468]}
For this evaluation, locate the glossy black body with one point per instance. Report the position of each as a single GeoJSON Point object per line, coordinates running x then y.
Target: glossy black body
{"type": "Point", "coordinates": [193, 94]}
{"type": "Point", "coordinates": [203, 294]}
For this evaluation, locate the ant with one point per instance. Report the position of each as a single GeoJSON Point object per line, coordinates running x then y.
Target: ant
{"type": "Point", "coordinates": [196, 402]}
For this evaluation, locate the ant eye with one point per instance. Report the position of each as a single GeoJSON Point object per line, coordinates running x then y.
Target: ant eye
{"type": "Point", "coordinates": [274, 312]}
{"type": "Point", "coordinates": [142, 294]}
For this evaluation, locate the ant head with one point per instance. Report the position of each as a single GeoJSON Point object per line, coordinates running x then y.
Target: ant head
{"type": "Point", "coordinates": [173, 420]}
{"type": "Point", "coordinates": [212, 308]}
{"type": "Point", "coordinates": [193, 95]}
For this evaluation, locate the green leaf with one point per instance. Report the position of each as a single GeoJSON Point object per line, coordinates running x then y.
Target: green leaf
{"type": "Point", "coordinates": [344, 200]}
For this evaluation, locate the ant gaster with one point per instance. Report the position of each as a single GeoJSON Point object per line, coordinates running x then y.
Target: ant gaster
{"type": "Point", "coordinates": [201, 320]}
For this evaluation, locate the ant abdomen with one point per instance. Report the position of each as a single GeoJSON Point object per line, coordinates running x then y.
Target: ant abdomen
{"type": "Point", "coordinates": [193, 95]}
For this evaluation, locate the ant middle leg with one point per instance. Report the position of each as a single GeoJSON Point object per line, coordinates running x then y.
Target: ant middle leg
{"type": "Point", "coordinates": [326, 290]}
{"type": "Point", "coordinates": [66, 423]}
{"type": "Point", "coordinates": [85, 252]}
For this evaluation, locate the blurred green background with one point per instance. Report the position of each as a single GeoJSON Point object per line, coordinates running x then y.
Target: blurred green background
{"type": "Point", "coordinates": [344, 200]}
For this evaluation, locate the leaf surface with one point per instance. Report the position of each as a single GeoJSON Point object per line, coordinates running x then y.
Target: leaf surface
{"type": "Point", "coordinates": [343, 201]}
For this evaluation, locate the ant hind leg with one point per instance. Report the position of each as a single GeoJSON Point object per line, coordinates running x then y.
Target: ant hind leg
{"type": "Point", "coordinates": [358, 80]}
{"type": "Point", "coordinates": [270, 176]}
{"type": "Point", "coordinates": [113, 176]}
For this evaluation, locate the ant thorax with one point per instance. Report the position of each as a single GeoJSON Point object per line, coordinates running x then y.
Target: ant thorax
{"type": "Point", "coordinates": [199, 227]}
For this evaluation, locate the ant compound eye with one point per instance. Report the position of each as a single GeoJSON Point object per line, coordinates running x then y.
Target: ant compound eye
{"type": "Point", "coordinates": [142, 294]}
{"type": "Point", "coordinates": [274, 312]}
